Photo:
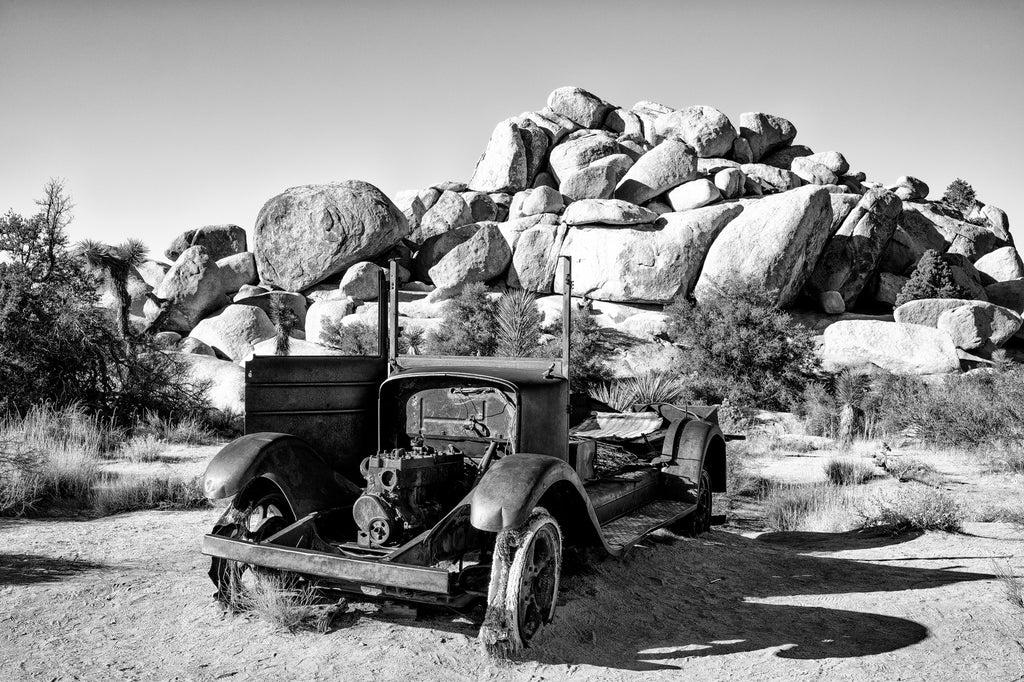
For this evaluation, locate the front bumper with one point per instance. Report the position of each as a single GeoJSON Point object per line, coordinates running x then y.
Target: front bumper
{"type": "Point", "coordinates": [333, 567]}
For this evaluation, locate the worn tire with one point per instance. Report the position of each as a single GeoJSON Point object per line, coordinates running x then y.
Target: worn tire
{"type": "Point", "coordinates": [699, 521]}
{"type": "Point", "coordinates": [524, 585]}
{"type": "Point", "coordinates": [266, 515]}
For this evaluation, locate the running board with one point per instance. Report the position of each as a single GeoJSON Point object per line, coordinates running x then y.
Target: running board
{"type": "Point", "coordinates": [626, 531]}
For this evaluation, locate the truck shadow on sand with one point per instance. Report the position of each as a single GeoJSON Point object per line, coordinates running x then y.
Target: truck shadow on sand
{"type": "Point", "coordinates": [29, 569]}
{"type": "Point", "coordinates": [675, 599]}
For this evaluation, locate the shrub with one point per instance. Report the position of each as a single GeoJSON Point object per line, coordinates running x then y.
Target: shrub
{"type": "Point", "coordinates": [588, 352]}
{"type": "Point", "coordinates": [932, 278]}
{"type": "Point", "coordinates": [819, 411]}
{"type": "Point", "coordinates": [848, 471]}
{"type": "Point", "coordinates": [285, 603]}
{"type": "Point", "coordinates": [469, 325]}
{"type": "Point", "coordinates": [742, 349]}
{"type": "Point", "coordinates": [911, 469]}
{"type": "Point", "coordinates": [357, 338]}
{"type": "Point", "coordinates": [916, 507]}
{"type": "Point", "coordinates": [1012, 584]}
{"type": "Point", "coordinates": [189, 430]}
{"type": "Point", "coordinates": [647, 388]}
{"type": "Point", "coordinates": [145, 448]}
{"type": "Point", "coordinates": [120, 495]}
{"type": "Point", "coordinates": [959, 195]}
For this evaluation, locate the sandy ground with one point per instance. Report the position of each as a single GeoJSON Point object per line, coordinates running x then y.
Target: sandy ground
{"type": "Point", "coordinates": [127, 598]}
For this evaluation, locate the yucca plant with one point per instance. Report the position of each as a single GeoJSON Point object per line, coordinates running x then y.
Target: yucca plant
{"type": "Point", "coordinates": [284, 319]}
{"type": "Point", "coordinates": [656, 387]}
{"type": "Point", "coordinates": [518, 324]}
{"type": "Point", "coordinates": [850, 391]}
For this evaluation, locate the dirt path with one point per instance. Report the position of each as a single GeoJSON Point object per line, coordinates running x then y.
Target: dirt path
{"type": "Point", "coordinates": [127, 598]}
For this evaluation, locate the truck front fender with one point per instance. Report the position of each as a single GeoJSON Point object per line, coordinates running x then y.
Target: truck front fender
{"type": "Point", "coordinates": [513, 486]}
{"type": "Point", "coordinates": [306, 481]}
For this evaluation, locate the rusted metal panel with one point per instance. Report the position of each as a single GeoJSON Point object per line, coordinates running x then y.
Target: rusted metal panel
{"type": "Point", "coordinates": [618, 425]}
{"type": "Point", "coordinates": [330, 402]}
{"type": "Point", "coordinates": [330, 566]}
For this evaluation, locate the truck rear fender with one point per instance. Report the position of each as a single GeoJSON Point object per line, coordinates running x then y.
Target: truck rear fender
{"type": "Point", "coordinates": [516, 484]}
{"type": "Point", "coordinates": [291, 464]}
{"type": "Point", "coordinates": [699, 444]}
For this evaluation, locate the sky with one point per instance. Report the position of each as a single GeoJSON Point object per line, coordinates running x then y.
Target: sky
{"type": "Point", "coordinates": [166, 116]}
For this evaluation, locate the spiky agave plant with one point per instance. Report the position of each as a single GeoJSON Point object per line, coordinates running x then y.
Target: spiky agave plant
{"type": "Point", "coordinates": [284, 319]}
{"type": "Point", "coordinates": [518, 324]}
{"type": "Point", "coordinates": [115, 264]}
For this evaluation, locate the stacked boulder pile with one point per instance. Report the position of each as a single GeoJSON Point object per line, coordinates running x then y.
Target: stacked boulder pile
{"type": "Point", "coordinates": [650, 203]}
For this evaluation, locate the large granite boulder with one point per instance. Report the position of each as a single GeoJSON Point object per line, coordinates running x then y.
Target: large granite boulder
{"type": "Point", "coordinates": [1001, 265]}
{"type": "Point", "coordinates": [606, 212]}
{"type": "Point", "coordinates": [765, 132]}
{"type": "Point", "coordinates": [224, 380]}
{"type": "Point", "coordinates": [580, 150]}
{"type": "Point", "coordinates": [481, 258]}
{"type": "Point", "coordinates": [503, 167]}
{"type": "Point", "coordinates": [535, 202]}
{"type": "Point", "coordinates": [978, 326]}
{"type": "Point", "coordinates": [593, 182]}
{"type": "Point", "coordinates": [323, 314]}
{"type": "Point", "coordinates": [870, 346]}
{"type": "Point", "coordinates": [579, 106]}
{"type": "Point", "coordinates": [219, 240]}
{"type": "Point", "coordinates": [234, 330]}
{"type": "Point", "coordinates": [286, 299]}
{"type": "Point", "coordinates": [437, 247]}
{"type": "Point", "coordinates": [191, 289]}
{"type": "Point", "coordinates": [926, 311]}
{"type": "Point", "coordinates": [308, 233]}
{"type": "Point", "coordinates": [915, 234]}
{"type": "Point", "coordinates": [1009, 294]}
{"type": "Point", "coordinates": [448, 212]}
{"type": "Point", "coordinates": [785, 156]}
{"type": "Point", "coordinates": [771, 247]}
{"type": "Point", "coordinates": [237, 271]}
{"type": "Point", "coordinates": [704, 129]}
{"type": "Point", "coordinates": [771, 179]}
{"type": "Point", "coordinates": [851, 256]}
{"type": "Point", "coordinates": [644, 265]}
{"type": "Point", "coordinates": [361, 281]}
{"type": "Point", "coordinates": [535, 258]}
{"type": "Point", "coordinates": [669, 164]}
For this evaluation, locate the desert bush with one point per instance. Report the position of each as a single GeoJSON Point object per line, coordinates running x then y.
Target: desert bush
{"type": "Point", "coordinates": [59, 347]}
{"type": "Point", "coordinates": [742, 349]}
{"type": "Point", "coordinates": [356, 338]}
{"type": "Point", "coordinates": [914, 506]}
{"type": "Point", "coordinates": [1013, 585]}
{"type": "Point", "coordinates": [189, 430]}
{"type": "Point", "coordinates": [906, 468]}
{"type": "Point", "coordinates": [1007, 459]}
{"type": "Point", "coordinates": [820, 507]}
{"type": "Point", "coordinates": [960, 196]}
{"type": "Point", "coordinates": [932, 278]}
{"type": "Point", "coordinates": [468, 326]}
{"type": "Point", "coordinates": [848, 471]}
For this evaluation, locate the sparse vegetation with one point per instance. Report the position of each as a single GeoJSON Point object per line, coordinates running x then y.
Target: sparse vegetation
{"type": "Point", "coordinates": [517, 325]}
{"type": "Point", "coordinates": [931, 278]}
{"type": "Point", "coordinates": [906, 468]}
{"type": "Point", "coordinates": [914, 506]}
{"type": "Point", "coordinates": [821, 507]}
{"type": "Point", "coordinates": [285, 603]}
{"type": "Point", "coordinates": [1012, 584]}
{"type": "Point", "coordinates": [848, 471]}
{"type": "Point", "coordinates": [285, 320]}
{"type": "Point", "coordinates": [469, 325]}
{"type": "Point", "coordinates": [647, 388]}
{"type": "Point", "coordinates": [356, 338]}
{"type": "Point", "coordinates": [741, 348]}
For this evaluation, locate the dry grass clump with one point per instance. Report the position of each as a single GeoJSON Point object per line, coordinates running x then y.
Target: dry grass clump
{"type": "Point", "coordinates": [916, 507]}
{"type": "Point", "coordinates": [51, 458]}
{"type": "Point", "coordinates": [848, 471]}
{"type": "Point", "coordinates": [818, 507]}
{"type": "Point", "coordinates": [145, 448]}
{"type": "Point", "coordinates": [990, 513]}
{"type": "Point", "coordinates": [1008, 460]}
{"type": "Point", "coordinates": [119, 495]}
{"type": "Point", "coordinates": [189, 430]}
{"type": "Point", "coordinates": [285, 603]}
{"type": "Point", "coordinates": [1012, 584]}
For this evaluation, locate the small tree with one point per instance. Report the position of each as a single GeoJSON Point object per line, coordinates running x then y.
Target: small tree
{"type": "Point", "coordinates": [469, 325]}
{"type": "Point", "coordinates": [960, 196]}
{"type": "Point", "coordinates": [932, 278]}
{"type": "Point", "coordinates": [741, 348]}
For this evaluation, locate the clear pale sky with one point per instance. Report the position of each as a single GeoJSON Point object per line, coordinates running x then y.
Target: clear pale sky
{"type": "Point", "coordinates": [165, 116]}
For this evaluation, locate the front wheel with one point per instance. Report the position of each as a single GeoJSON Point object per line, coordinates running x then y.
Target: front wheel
{"type": "Point", "coordinates": [523, 593]}
{"type": "Point", "coordinates": [699, 520]}
{"type": "Point", "coordinates": [266, 515]}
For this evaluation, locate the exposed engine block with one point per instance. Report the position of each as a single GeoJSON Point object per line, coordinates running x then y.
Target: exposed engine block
{"type": "Point", "coordinates": [406, 492]}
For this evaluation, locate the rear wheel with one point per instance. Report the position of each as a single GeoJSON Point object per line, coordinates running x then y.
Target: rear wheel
{"type": "Point", "coordinates": [699, 520]}
{"type": "Point", "coordinates": [523, 593]}
{"type": "Point", "coordinates": [266, 515]}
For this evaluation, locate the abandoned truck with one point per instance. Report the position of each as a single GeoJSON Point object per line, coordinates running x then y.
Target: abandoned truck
{"type": "Point", "coordinates": [447, 480]}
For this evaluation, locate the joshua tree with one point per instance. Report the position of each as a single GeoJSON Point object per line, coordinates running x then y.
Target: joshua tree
{"type": "Point", "coordinates": [284, 320]}
{"type": "Point", "coordinates": [851, 389]}
{"type": "Point", "coordinates": [115, 264]}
